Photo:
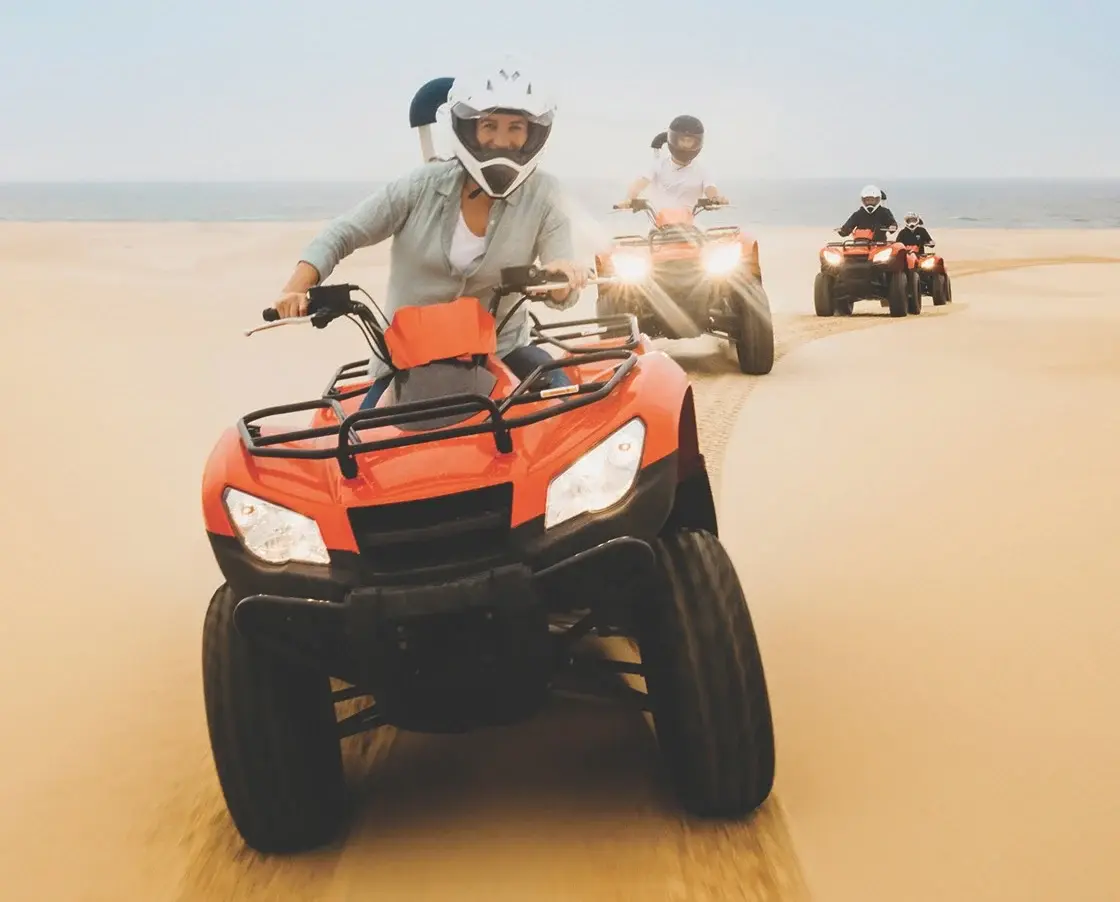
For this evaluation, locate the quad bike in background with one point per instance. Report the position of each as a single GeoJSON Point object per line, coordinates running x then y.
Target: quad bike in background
{"type": "Point", "coordinates": [682, 281]}
{"type": "Point", "coordinates": [447, 552]}
{"type": "Point", "coordinates": [933, 277]}
{"type": "Point", "coordinates": [866, 268]}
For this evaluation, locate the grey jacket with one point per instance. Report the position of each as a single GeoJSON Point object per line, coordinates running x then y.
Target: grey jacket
{"type": "Point", "coordinates": [420, 211]}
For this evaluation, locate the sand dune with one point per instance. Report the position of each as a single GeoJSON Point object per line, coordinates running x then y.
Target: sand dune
{"type": "Point", "coordinates": [124, 362]}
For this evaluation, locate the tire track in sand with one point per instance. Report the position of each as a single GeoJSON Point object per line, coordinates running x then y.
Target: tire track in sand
{"type": "Point", "coordinates": [569, 805]}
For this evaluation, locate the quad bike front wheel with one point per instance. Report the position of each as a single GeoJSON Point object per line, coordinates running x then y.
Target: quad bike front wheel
{"type": "Point", "coordinates": [274, 737]}
{"type": "Point", "coordinates": [754, 343]}
{"type": "Point", "coordinates": [705, 680]}
{"type": "Point", "coordinates": [823, 289]}
{"type": "Point", "coordinates": [898, 293]}
{"type": "Point", "coordinates": [941, 289]}
{"type": "Point", "coordinates": [914, 287]}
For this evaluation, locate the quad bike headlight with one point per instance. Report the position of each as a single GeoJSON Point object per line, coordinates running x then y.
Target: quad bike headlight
{"type": "Point", "coordinates": [631, 267]}
{"type": "Point", "coordinates": [722, 258]}
{"type": "Point", "coordinates": [928, 263]}
{"type": "Point", "coordinates": [883, 256]}
{"type": "Point", "coordinates": [273, 533]}
{"type": "Point", "coordinates": [600, 478]}
{"type": "Point", "coordinates": [833, 258]}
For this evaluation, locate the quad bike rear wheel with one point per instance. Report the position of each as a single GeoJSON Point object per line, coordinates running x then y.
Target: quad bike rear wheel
{"type": "Point", "coordinates": [754, 343]}
{"type": "Point", "coordinates": [274, 737]}
{"type": "Point", "coordinates": [898, 293]}
{"type": "Point", "coordinates": [914, 289]}
{"type": "Point", "coordinates": [824, 287]}
{"type": "Point", "coordinates": [705, 680]}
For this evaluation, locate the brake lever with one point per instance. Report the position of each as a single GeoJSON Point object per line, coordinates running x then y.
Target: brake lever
{"type": "Point", "coordinates": [288, 321]}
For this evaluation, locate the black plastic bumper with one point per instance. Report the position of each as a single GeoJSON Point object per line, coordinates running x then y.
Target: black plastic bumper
{"type": "Point", "coordinates": [457, 655]}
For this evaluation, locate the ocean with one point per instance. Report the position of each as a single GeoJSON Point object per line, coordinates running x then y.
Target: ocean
{"type": "Point", "coordinates": [825, 203]}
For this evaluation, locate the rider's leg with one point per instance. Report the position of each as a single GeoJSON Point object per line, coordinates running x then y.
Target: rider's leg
{"type": "Point", "coordinates": [526, 359]}
{"type": "Point", "coordinates": [375, 392]}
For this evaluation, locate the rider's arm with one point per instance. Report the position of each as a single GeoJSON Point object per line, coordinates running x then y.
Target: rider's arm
{"type": "Point", "coordinates": [554, 242]}
{"type": "Point", "coordinates": [637, 187]}
{"type": "Point", "coordinates": [846, 228]}
{"type": "Point", "coordinates": [375, 219]}
{"type": "Point", "coordinates": [709, 190]}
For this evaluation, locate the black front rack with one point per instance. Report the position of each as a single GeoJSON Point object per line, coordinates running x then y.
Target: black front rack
{"type": "Point", "coordinates": [861, 242]}
{"type": "Point", "coordinates": [675, 234]}
{"type": "Point", "coordinates": [498, 422]}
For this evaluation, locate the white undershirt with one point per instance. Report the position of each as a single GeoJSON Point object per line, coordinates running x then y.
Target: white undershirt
{"type": "Point", "coordinates": [466, 246]}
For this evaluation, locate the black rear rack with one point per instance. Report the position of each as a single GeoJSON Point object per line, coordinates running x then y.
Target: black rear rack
{"type": "Point", "coordinates": [498, 422]}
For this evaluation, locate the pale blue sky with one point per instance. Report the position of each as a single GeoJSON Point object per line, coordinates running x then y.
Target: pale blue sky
{"type": "Point", "coordinates": [281, 89]}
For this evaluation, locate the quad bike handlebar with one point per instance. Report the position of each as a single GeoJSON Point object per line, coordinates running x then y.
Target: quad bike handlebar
{"type": "Point", "coordinates": [329, 302]}
{"type": "Point", "coordinates": [638, 204]}
{"type": "Point", "coordinates": [326, 303]}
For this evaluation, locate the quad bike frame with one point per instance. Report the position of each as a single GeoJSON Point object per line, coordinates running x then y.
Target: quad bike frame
{"type": "Point", "coordinates": [681, 281]}
{"type": "Point", "coordinates": [933, 278]}
{"type": "Point", "coordinates": [448, 600]}
{"type": "Point", "coordinates": [864, 267]}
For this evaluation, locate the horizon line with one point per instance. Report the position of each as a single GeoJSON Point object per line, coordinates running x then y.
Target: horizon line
{"type": "Point", "coordinates": [311, 180]}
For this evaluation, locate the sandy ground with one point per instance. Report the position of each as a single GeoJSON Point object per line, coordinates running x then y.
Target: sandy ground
{"type": "Point", "coordinates": [922, 515]}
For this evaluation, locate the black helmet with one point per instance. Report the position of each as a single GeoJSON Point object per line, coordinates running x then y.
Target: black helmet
{"type": "Point", "coordinates": [686, 138]}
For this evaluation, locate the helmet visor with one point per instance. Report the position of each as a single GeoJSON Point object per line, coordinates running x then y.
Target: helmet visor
{"type": "Point", "coordinates": [465, 119]}
{"type": "Point", "coordinates": [683, 146]}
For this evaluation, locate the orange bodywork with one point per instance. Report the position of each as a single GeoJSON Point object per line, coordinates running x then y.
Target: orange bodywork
{"type": "Point", "coordinates": [654, 390]}
{"type": "Point", "coordinates": [683, 249]}
{"type": "Point", "coordinates": [869, 250]}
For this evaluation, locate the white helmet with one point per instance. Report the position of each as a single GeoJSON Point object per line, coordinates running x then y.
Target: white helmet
{"type": "Point", "coordinates": [499, 171]}
{"type": "Point", "coordinates": [871, 197]}
{"type": "Point", "coordinates": [911, 220]}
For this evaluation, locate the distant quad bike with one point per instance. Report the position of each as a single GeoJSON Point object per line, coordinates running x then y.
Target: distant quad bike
{"type": "Point", "coordinates": [681, 281]}
{"type": "Point", "coordinates": [446, 552]}
{"type": "Point", "coordinates": [933, 278]}
{"type": "Point", "coordinates": [865, 268]}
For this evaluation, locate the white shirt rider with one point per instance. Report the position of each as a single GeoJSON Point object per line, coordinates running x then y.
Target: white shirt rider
{"type": "Point", "coordinates": [675, 185]}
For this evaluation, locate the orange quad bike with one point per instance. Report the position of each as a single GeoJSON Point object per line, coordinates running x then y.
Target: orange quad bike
{"type": "Point", "coordinates": [681, 281]}
{"type": "Point", "coordinates": [451, 553]}
{"type": "Point", "coordinates": [866, 268]}
{"type": "Point", "coordinates": [933, 277]}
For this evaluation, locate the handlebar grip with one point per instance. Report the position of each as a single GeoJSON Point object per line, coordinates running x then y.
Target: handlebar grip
{"type": "Point", "coordinates": [270, 314]}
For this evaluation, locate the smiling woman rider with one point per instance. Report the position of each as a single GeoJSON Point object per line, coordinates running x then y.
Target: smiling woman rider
{"type": "Point", "coordinates": [456, 223]}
